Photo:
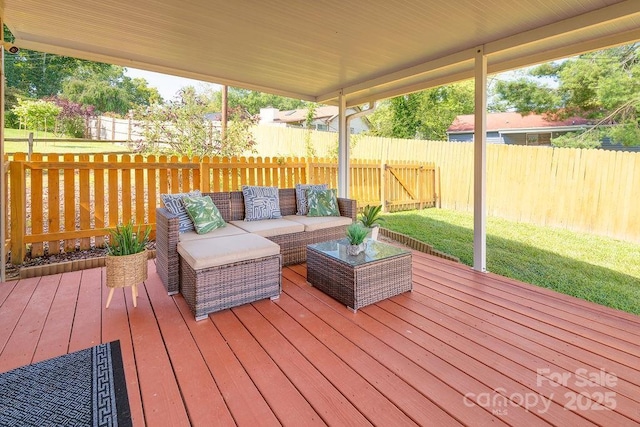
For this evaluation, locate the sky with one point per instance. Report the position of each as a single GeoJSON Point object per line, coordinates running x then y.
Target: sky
{"type": "Point", "coordinates": [168, 85]}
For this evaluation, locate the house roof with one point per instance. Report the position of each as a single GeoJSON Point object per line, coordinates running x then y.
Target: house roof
{"type": "Point", "coordinates": [317, 50]}
{"type": "Point", "coordinates": [300, 115]}
{"type": "Point", "coordinates": [511, 121]}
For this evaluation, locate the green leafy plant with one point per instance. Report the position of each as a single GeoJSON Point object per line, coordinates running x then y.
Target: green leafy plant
{"type": "Point", "coordinates": [127, 241]}
{"type": "Point", "coordinates": [356, 233]}
{"type": "Point", "coordinates": [370, 216]}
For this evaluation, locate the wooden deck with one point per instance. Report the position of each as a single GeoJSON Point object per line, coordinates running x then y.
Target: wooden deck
{"type": "Point", "coordinates": [463, 348]}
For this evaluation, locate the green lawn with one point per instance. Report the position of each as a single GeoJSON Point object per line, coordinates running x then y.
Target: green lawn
{"type": "Point", "coordinates": [63, 145]}
{"type": "Point", "coordinates": [594, 268]}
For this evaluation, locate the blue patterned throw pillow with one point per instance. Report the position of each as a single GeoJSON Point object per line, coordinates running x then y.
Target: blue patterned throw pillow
{"type": "Point", "coordinates": [261, 203]}
{"type": "Point", "coordinates": [173, 203]}
{"type": "Point", "coordinates": [323, 203]}
{"type": "Point", "coordinates": [302, 205]}
{"type": "Point", "coordinates": [204, 213]}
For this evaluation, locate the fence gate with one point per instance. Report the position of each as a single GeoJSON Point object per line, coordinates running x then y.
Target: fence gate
{"type": "Point", "coordinates": [408, 186]}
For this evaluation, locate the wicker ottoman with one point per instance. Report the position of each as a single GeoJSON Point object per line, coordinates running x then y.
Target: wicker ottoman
{"type": "Point", "coordinates": [225, 272]}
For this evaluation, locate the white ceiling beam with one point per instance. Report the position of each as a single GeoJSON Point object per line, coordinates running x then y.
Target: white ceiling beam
{"type": "Point", "coordinates": [564, 51]}
{"type": "Point", "coordinates": [598, 17]}
{"type": "Point", "coordinates": [398, 75]}
{"type": "Point", "coordinates": [415, 86]}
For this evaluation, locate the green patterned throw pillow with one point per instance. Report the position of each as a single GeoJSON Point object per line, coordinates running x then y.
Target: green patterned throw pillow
{"type": "Point", "coordinates": [204, 213]}
{"type": "Point", "coordinates": [301, 196]}
{"type": "Point", "coordinates": [322, 203]}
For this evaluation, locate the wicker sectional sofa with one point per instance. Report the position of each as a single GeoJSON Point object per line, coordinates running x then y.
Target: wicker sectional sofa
{"type": "Point", "coordinates": [292, 234]}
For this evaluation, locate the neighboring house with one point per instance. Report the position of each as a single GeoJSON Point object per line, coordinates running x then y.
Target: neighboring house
{"type": "Point", "coordinates": [514, 128]}
{"type": "Point", "coordinates": [324, 119]}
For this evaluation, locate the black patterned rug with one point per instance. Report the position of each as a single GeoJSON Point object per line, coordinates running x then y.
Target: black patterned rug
{"type": "Point", "coordinates": [85, 388]}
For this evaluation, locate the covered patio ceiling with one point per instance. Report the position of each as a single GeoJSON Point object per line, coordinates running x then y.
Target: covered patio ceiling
{"type": "Point", "coordinates": [314, 50]}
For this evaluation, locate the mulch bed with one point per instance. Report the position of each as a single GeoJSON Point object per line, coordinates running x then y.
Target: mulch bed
{"type": "Point", "coordinates": [13, 271]}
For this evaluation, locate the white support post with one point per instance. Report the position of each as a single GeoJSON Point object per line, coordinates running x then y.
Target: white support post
{"type": "Point", "coordinates": [480, 164]}
{"type": "Point", "coordinates": [343, 148]}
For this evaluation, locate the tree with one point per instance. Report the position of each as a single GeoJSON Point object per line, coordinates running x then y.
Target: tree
{"type": "Point", "coordinates": [36, 115]}
{"type": "Point", "coordinates": [37, 75]}
{"type": "Point", "coordinates": [602, 85]}
{"type": "Point", "coordinates": [72, 119]}
{"type": "Point", "coordinates": [179, 127]}
{"type": "Point", "coordinates": [423, 115]}
{"type": "Point", "coordinates": [589, 139]}
{"type": "Point", "coordinates": [308, 122]}
{"type": "Point", "coordinates": [526, 95]}
{"type": "Point", "coordinates": [251, 101]}
{"type": "Point", "coordinates": [109, 90]}
{"type": "Point", "coordinates": [441, 105]}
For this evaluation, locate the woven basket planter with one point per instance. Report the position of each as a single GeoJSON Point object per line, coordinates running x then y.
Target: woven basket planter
{"type": "Point", "coordinates": [126, 270]}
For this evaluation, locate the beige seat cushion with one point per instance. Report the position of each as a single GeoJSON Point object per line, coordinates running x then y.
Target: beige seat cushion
{"type": "Point", "coordinates": [228, 230]}
{"type": "Point", "coordinates": [270, 227]}
{"type": "Point", "coordinates": [205, 253]}
{"type": "Point", "coordinates": [313, 223]}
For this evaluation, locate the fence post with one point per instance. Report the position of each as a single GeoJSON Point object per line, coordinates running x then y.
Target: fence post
{"type": "Point", "coordinates": [30, 145]}
{"type": "Point", "coordinates": [383, 186]}
{"type": "Point", "coordinates": [307, 169]}
{"type": "Point", "coordinates": [129, 125]}
{"type": "Point", "coordinates": [18, 209]}
{"type": "Point", "coordinates": [421, 176]}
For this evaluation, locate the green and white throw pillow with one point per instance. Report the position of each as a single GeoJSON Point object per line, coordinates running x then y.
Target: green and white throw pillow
{"type": "Point", "coordinates": [302, 206]}
{"type": "Point", "coordinates": [323, 203]}
{"type": "Point", "coordinates": [261, 203]}
{"type": "Point", "coordinates": [173, 203]}
{"type": "Point", "coordinates": [204, 214]}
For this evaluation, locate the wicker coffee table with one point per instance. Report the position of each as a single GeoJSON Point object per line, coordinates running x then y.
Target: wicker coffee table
{"type": "Point", "coordinates": [380, 272]}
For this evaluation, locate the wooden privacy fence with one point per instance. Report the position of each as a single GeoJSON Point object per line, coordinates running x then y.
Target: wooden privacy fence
{"type": "Point", "coordinates": [68, 202]}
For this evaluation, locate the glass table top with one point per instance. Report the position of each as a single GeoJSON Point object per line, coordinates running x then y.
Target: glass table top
{"type": "Point", "coordinates": [374, 251]}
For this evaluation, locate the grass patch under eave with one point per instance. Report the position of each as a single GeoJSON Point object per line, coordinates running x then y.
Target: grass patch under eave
{"type": "Point", "coordinates": [598, 269]}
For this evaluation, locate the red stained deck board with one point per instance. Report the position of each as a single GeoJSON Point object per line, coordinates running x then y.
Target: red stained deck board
{"type": "Point", "coordinates": [203, 400]}
{"type": "Point", "coordinates": [530, 329]}
{"type": "Point", "coordinates": [54, 340]}
{"type": "Point", "coordinates": [488, 374]}
{"type": "Point", "coordinates": [11, 311]}
{"type": "Point", "coordinates": [502, 373]}
{"type": "Point", "coordinates": [243, 399]}
{"type": "Point", "coordinates": [87, 323]}
{"type": "Point", "coordinates": [611, 337]}
{"type": "Point", "coordinates": [284, 399]}
{"type": "Point", "coordinates": [530, 341]}
{"type": "Point", "coordinates": [22, 344]}
{"type": "Point", "coordinates": [576, 335]}
{"type": "Point", "coordinates": [161, 398]}
{"type": "Point", "coordinates": [340, 364]}
{"type": "Point", "coordinates": [114, 324]}
{"type": "Point", "coordinates": [276, 336]}
{"type": "Point", "coordinates": [6, 289]}
{"type": "Point", "coordinates": [581, 308]}
{"type": "Point", "coordinates": [416, 376]}
{"type": "Point", "coordinates": [520, 349]}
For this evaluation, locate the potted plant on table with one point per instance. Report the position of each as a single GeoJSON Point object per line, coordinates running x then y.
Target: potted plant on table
{"type": "Point", "coordinates": [371, 219]}
{"type": "Point", "coordinates": [356, 234]}
{"type": "Point", "coordinates": [126, 260]}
